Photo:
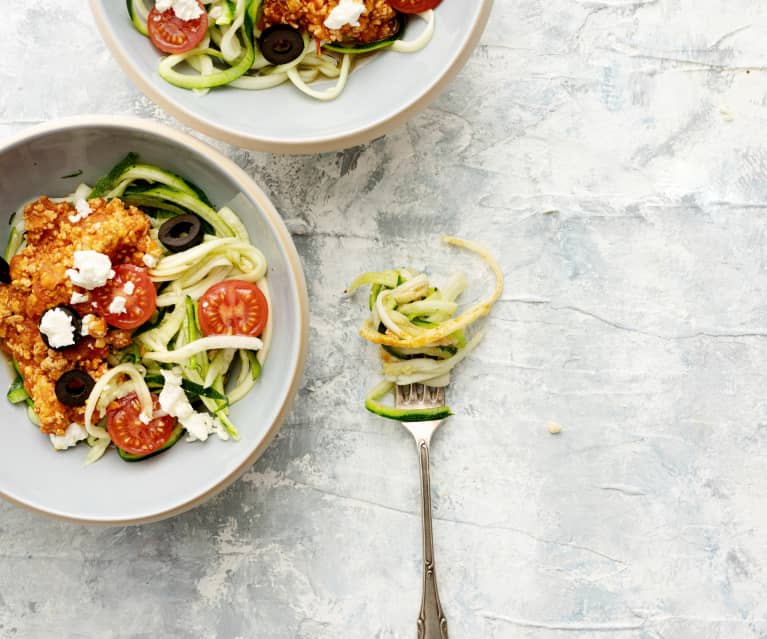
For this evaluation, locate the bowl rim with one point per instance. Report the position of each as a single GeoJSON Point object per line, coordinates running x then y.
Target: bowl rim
{"type": "Point", "coordinates": [300, 146]}
{"type": "Point", "coordinates": [257, 195]}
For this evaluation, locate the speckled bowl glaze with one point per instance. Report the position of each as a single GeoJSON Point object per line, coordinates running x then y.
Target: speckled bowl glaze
{"type": "Point", "coordinates": [112, 491]}
{"type": "Point", "coordinates": [387, 91]}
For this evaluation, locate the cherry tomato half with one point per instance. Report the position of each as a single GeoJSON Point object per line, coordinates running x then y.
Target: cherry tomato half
{"type": "Point", "coordinates": [130, 433]}
{"type": "Point", "coordinates": [233, 307]}
{"type": "Point", "coordinates": [413, 6]}
{"type": "Point", "coordinates": [171, 34]}
{"type": "Point", "coordinates": [140, 303]}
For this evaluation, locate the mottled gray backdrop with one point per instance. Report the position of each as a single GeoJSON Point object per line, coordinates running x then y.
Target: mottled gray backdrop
{"type": "Point", "coordinates": [613, 155]}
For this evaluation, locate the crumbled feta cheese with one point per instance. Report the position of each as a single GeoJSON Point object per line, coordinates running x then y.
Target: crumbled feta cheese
{"type": "Point", "coordinates": [172, 398]}
{"type": "Point", "coordinates": [73, 434]}
{"type": "Point", "coordinates": [78, 298]}
{"type": "Point", "coordinates": [117, 305]}
{"type": "Point", "coordinates": [174, 401]}
{"type": "Point", "coordinates": [129, 287]}
{"type": "Point", "coordinates": [144, 418]}
{"type": "Point", "coordinates": [200, 425]}
{"type": "Point", "coordinates": [92, 269]}
{"type": "Point", "coordinates": [83, 211]}
{"type": "Point", "coordinates": [345, 12]}
{"type": "Point", "coordinates": [184, 9]}
{"type": "Point", "coordinates": [84, 323]}
{"type": "Point", "coordinates": [149, 260]}
{"type": "Point", "coordinates": [57, 326]}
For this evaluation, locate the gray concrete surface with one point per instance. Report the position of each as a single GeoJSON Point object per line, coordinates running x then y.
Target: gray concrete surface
{"type": "Point", "coordinates": [613, 154]}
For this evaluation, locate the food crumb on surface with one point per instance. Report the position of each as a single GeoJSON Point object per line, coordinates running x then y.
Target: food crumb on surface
{"type": "Point", "coordinates": [554, 428]}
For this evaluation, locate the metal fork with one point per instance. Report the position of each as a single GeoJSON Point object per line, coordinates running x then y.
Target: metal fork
{"type": "Point", "coordinates": [432, 623]}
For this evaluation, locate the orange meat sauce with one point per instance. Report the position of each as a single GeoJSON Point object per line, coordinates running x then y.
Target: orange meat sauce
{"type": "Point", "coordinates": [39, 282]}
{"type": "Point", "coordinates": [378, 21]}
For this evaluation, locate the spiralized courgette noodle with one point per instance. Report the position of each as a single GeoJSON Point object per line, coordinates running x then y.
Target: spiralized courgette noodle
{"type": "Point", "coordinates": [220, 369]}
{"type": "Point", "coordinates": [229, 55]}
{"type": "Point", "coordinates": [422, 339]}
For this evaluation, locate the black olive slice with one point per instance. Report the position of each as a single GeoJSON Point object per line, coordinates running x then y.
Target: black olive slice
{"type": "Point", "coordinates": [5, 272]}
{"type": "Point", "coordinates": [74, 317]}
{"type": "Point", "coordinates": [74, 387]}
{"type": "Point", "coordinates": [281, 43]}
{"type": "Point", "coordinates": [181, 232]}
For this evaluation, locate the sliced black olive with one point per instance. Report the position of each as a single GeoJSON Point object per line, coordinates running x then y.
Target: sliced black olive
{"type": "Point", "coordinates": [74, 387]}
{"type": "Point", "coordinates": [181, 232]}
{"type": "Point", "coordinates": [281, 43]}
{"type": "Point", "coordinates": [5, 272]}
{"type": "Point", "coordinates": [74, 317]}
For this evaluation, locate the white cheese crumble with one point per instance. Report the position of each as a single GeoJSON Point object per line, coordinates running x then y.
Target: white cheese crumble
{"type": "Point", "coordinates": [83, 211]}
{"type": "Point", "coordinates": [73, 434]}
{"type": "Point", "coordinates": [129, 288]}
{"type": "Point", "coordinates": [346, 12]}
{"type": "Point", "coordinates": [57, 326]}
{"type": "Point", "coordinates": [84, 330]}
{"type": "Point", "coordinates": [174, 401]}
{"type": "Point", "coordinates": [149, 260]}
{"type": "Point", "coordinates": [92, 269]}
{"type": "Point", "coordinates": [184, 9]}
{"type": "Point", "coordinates": [78, 298]}
{"type": "Point", "coordinates": [117, 305]}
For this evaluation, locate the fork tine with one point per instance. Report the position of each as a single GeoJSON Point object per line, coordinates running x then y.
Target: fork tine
{"type": "Point", "coordinates": [401, 394]}
{"type": "Point", "coordinates": [437, 394]}
{"type": "Point", "coordinates": [418, 395]}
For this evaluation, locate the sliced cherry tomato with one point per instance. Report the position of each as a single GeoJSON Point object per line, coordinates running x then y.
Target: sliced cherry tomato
{"type": "Point", "coordinates": [171, 34]}
{"type": "Point", "coordinates": [233, 307]}
{"type": "Point", "coordinates": [413, 6]}
{"type": "Point", "coordinates": [140, 303]}
{"type": "Point", "coordinates": [130, 433]}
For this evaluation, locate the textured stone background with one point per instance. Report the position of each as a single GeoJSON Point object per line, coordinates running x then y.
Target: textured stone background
{"type": "Point", "coordinates": [613, 154]}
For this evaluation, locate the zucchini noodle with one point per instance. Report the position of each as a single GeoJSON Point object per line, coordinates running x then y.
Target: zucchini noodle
{"type": "Point", "coordinates": [140, 389]}
{"type": "Point", "coordinates": [182, 354]}
{"type": "Point", "coordinates": [413, 322]}
{"type": "Point", "coordinates": [327, 94]}
{"type": "Point", "coordinates": [416, 44]}
{"type": "Point", "coordinates": [441, 332]}
{"type": "Point", "coordinates": [229, 53]}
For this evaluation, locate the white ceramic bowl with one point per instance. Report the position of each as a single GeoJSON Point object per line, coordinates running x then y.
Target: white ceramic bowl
{"type": "Point", "coordinates": [383, 94]}
{"type": "Point", "coordinates": [112, 491]}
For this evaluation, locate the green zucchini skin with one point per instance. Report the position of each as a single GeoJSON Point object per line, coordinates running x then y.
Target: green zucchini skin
{"type": "Point", "coordinates": [137, 23]}
{"type": "Point", "coordinates": [17, 393]}
{"type": "Point", "coordinates": [159, 189]}
{"type": "Point", "coordinates": [174, 437]}
{"type": "Point", "coordinates": [360, 48]}
{"type": "Point", "coordinates": [370, 46]}
{"type": "Point", "coordinates": [407, 414]}
{"type": "Point", "coordinates": [433, 352]}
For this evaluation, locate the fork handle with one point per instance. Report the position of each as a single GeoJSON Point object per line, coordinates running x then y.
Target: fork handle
{"type": "Point", "coordinates": [432, 623]}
